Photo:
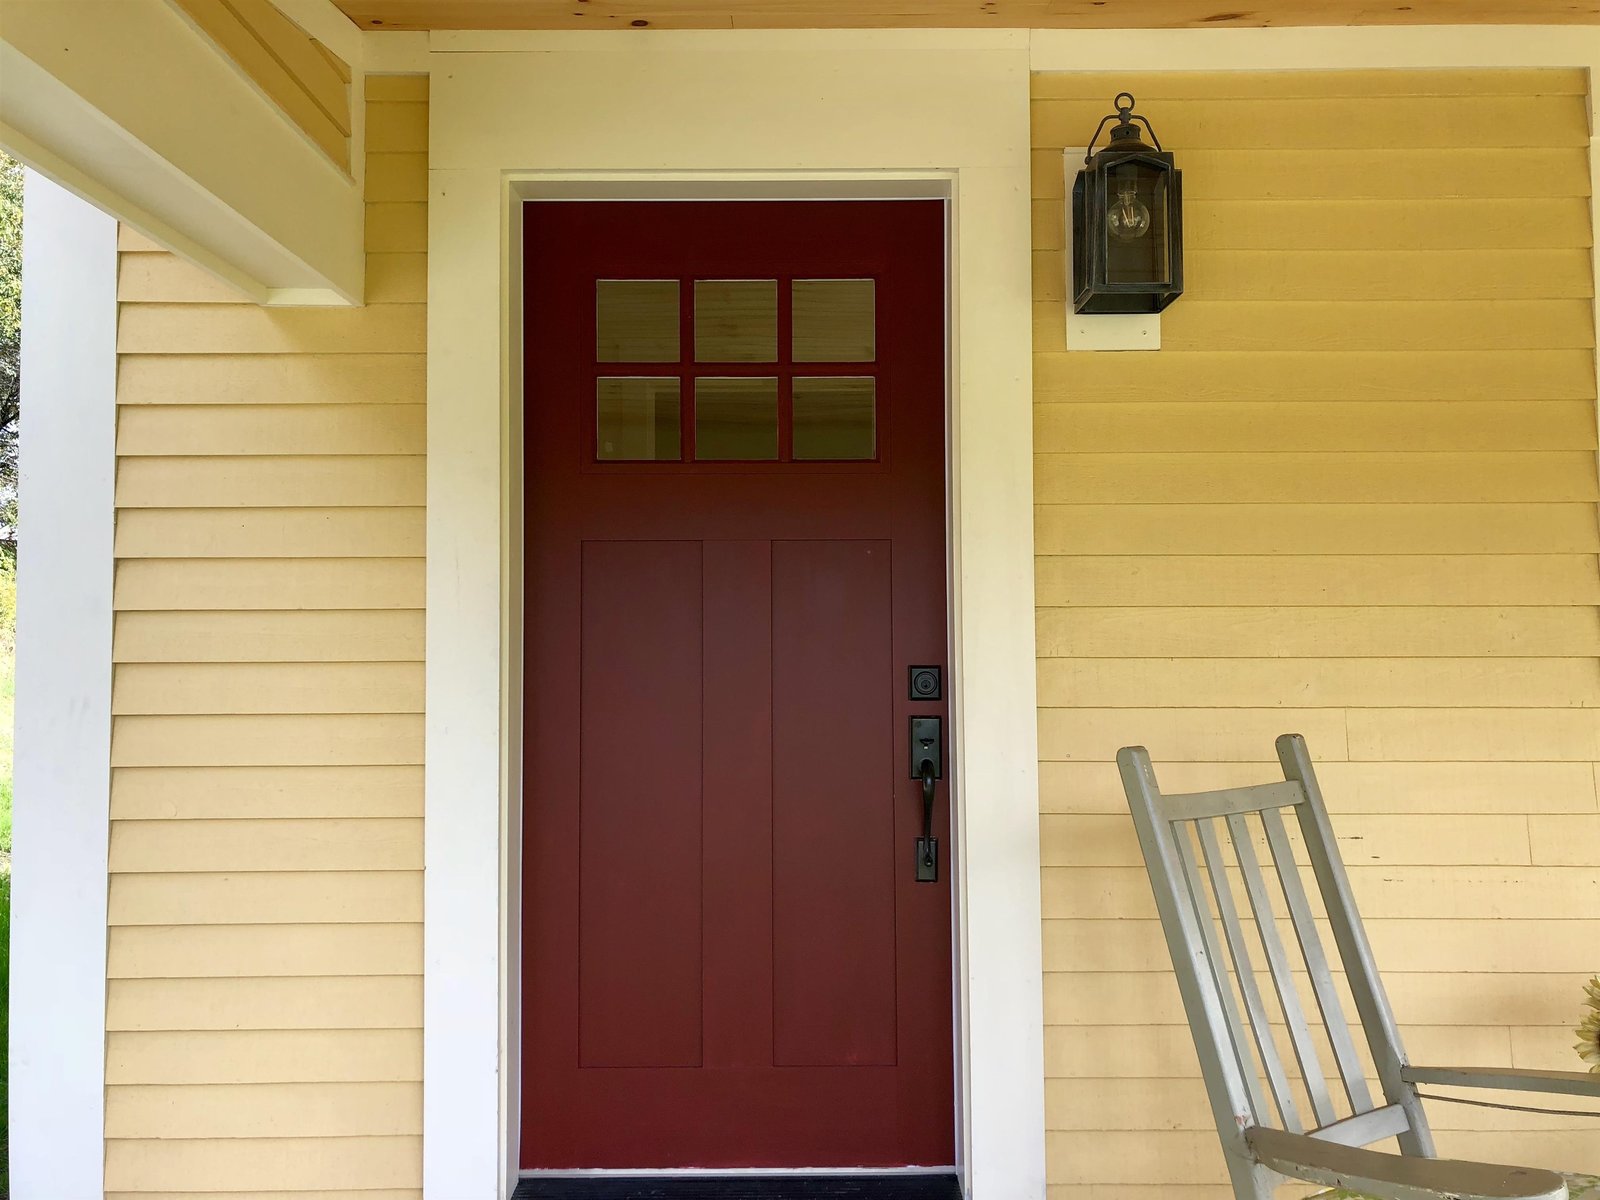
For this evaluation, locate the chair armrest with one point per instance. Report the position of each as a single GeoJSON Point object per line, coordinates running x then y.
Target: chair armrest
{"type": "Point", "coordinates": [1567, 1083]}
{"type": "Point", "coordinates": [1398, 1177]}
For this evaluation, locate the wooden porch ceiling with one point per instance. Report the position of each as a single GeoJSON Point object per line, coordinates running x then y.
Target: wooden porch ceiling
{"type": "Point", "coordinates": [975, 14]}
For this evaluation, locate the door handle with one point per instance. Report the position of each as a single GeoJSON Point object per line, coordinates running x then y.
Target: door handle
{"type": "Point", "coordinates": [927, 765]}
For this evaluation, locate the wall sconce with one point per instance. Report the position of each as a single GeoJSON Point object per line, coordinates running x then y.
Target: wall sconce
{"type": "Point", "coordinates": [1127, 221]}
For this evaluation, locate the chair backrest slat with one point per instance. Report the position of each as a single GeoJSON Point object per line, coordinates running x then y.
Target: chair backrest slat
{"type": "Point", "coordinates": [1366, 989]}
{"type": "Point", "coordinates": [1305, 1050]}
{"type": "Point", "coordinates": [1305, 932]}
{"type": "Point", "coordinates": [1244, 972]}
{"type": "Point", "coordinates": [1219, 977]}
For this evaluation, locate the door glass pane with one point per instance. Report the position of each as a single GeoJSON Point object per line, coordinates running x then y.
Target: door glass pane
{"type": "Point", "coordinates": [637, 420]}
{"type": "Point", "coordinates": [636, 320]}
{"type": "Point", "coordinates": [834, 320]}
{"type": "Point", "coordinates": [736, 320]}
{"type": "Point", "coordinates": [735, 419]}
{"type": "Point", "coordinates": [836, 417]}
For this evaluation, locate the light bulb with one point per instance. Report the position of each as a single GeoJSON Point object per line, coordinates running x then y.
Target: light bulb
{"type": "Point", "coordinates": [1128, 219]}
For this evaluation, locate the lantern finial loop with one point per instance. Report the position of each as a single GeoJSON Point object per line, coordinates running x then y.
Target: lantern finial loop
{"type": "Point", "coordinates": [1124, 131]}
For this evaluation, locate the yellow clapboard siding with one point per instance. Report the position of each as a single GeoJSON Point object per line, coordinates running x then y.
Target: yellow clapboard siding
{"type": "Point", "coordinates": [270, 533]}
{"type": "Point", "coordinates": [1315, 632]}
{"type": "Point", "coordinates": [397, 278]}
{"type": "Point", "coordinates": [1299, 173]}
{"type": "Point", "coordinates": [224, 688]}
{"type": "Point", "coordinates": [1187, 734]}
{"type": "Point", "coordinates": [1357, 426]}
{"type": "Point", "coordinates": [267, 898]}
{"type": "Point", "coordinates": [1302, 477]}
{"type": "Point", "coordinates": [234, 792]}
{"type": "Point", "coordinates": [342, 636]}
{"type": "Point", "coordinates": [313, 1110]}
{"type": "Point", "coordinates": [131, 241]}
{"type": "Point", "coordinates": [1358, 84]}
{"type": "Point", "coordinates": [1491, 947]}
{"type": "Point", "coordinates": [265, 991]}
{"type": "Point", "coordinates": [317, 739]}
{"type": "Point", "coordinates": [1167, 1052]}
{"type": "Point", "coordinates": [1381, 683]}
{"type": "Point", "coordinates": [323, 481]}
{"type": "Point", "coordinates": [1434, 893]}
{"type": "Point", "coordinates": [309, 429]}
{"type": "Point", "coordinates": [1349, 787]}
{"type": "Point", "coordinates": [1264, 324]}
{"type": "Point", "coordinates": [400, 88]}
{"type": "Point", "coordinates": [324, 844]}
{"type": "Point", "coordinates": [1386, 123]}
{"type": "Point", "coordinates": [251, 951]}
{"type": "Point", "coordinates": [1434, 580]}
{"type": "Point", "coordinates": [1466, 735]}
{"type": "Point", "coordinates": [1354, 276]}
{"type": "Point", "coordinates": [1378, 224]}
{"type": "Point", "coordinates": [246, 329]}
{"type": "Point", "coordinates": [399, 127]}
{"type": "Point", "coordinates": [176, 584]}
{"type": "Point", "coordinates": [1162, 529]}
{"type": "Point", "coordinates": [295, 1164]}
{"type": "Point", "coordinates": [373, 378]}
{"type": "Point", "coordinates": [1276, 376]}
{"type": "Point", "coordinates": [397, 228]}
{"type": "Point", "coordinates": [1540, 1048]}
{"type": "Point", "coordinates": [1566, 841]}
{"type": "Point", "coordinates": [1142, 998]}
{"type": "Point", "coordinates": [1279, 277]}
{"type": "Point", "coordinates": [168, 278]}
{"type": "Point", "coordinates": [397, 178]}
{"type": "Point", "coordinates": [1079, 1103]}
{"type": "Point", "coordinates": [265, 1056]}
{"type": "Point", "coordinates": [325, 1002]}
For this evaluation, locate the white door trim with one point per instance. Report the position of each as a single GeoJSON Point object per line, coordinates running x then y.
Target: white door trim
{"type": "Point", "coordinates": [506, 125]}
{"type": "Point", "coordinates": [61, 820]}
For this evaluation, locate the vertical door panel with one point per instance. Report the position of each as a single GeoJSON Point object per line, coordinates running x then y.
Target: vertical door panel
{"type": "Point", "coordinates": [833, 804]}
{"type": "Point", "coordinates": [639, 836]}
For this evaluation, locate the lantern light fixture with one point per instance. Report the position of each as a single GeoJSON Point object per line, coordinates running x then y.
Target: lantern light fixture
{"type": "Point", "coordinates": [1127, 220]}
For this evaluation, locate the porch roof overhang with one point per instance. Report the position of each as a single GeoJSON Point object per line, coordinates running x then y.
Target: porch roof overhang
{"type": "Point", "coordinates": [129, 104]}
{"type": "Point", "coordinates": [950, 14]}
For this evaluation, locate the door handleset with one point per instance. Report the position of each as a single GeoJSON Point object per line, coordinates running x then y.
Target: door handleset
{"type": "Point", "coordinates": [927, 765]}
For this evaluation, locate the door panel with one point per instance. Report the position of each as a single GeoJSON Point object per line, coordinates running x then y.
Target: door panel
{"type": "Point", "coordinates": [735, 550]}
{"type": "Point", "coordinates": [832, 845]}
{"type": "Point", "coordinates": [639, 831]}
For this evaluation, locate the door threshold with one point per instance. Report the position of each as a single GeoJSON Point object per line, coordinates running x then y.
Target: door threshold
{"type": "Point", "coordinates": [908, 1186]}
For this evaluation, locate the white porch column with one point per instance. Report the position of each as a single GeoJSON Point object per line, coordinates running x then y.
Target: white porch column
{"type": "Point", "coordinates": [61, 822]}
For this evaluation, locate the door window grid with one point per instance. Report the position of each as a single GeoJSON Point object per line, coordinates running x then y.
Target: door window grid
{"type": "Point", "coordinates": [824, 409]}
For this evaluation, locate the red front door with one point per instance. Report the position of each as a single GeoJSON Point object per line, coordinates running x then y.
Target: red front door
{"type": "Point", "coordinates": [735, 555]}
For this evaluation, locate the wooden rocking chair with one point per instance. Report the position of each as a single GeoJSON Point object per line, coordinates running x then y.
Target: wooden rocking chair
{"type": "Point", "coordinates": [1264, 1148]}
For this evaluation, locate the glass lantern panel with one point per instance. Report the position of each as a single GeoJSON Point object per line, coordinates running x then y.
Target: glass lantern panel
{"type": "Point", "coordinates": [1137, 220]}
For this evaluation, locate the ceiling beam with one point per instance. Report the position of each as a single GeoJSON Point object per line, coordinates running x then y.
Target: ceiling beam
{"type": "Point", "coordinates": [125, 103]}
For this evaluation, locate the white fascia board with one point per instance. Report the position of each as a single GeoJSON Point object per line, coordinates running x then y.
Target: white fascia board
{"type": "Point", "coordinates": [63, 733]}
{"type": "Point", "coordinates": [124, 103]}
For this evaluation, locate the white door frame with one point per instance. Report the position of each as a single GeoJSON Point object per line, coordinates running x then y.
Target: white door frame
{"type": "Point", "coordinates": [480, 178]}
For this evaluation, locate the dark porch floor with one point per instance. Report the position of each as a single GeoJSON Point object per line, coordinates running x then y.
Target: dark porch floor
{"type": "Point", "coordinates": [746, 1187]}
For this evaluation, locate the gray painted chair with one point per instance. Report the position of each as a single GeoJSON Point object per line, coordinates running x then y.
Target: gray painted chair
{"type": "Point", "coordinates": [1267, 1138]}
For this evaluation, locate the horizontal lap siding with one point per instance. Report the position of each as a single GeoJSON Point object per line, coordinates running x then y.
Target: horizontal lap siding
{"type": "Point", "coordinates": [265, 993]}
{"type": "Point", "coordinates": [1353, 496]}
